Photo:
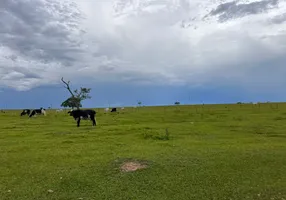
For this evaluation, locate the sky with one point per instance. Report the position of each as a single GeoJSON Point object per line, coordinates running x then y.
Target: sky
{"type": "Point", "coordinates": [154, 51]}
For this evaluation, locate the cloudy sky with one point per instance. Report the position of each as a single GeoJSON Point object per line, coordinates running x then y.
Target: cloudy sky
{"type": "Point", "coordinates": [156, 51]}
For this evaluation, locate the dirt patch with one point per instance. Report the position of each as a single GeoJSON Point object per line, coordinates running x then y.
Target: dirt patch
{"type": "Point", "coordinates": [132, 166]}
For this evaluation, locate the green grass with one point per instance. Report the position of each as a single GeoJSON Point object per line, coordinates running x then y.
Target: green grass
{"type": "Point", "coordinates": [208, 152]}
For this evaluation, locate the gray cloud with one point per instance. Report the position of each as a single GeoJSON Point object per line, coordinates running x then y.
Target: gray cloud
{"type": "Point", "coordinates": [141, 42]}
{"type": "Point", "coordinates": [232, 10]}
{"type": "Point", "coordinates": [279, 19]}
{"type": "Point", "coordinates": [44, 30]}
{"type": "Point", "coordinates": [37, 36]}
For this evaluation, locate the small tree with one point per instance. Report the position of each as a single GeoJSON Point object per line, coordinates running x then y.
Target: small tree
{"type": "Point", "coordinates": [76, 96]}
{"type": "Point", "coordinates": [139, 103]}
{"type": "Point", "coordinates": [177, 103]}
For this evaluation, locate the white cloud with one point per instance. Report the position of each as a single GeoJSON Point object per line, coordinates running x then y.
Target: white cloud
{"type": "Point", "coordinates": [145, 42]}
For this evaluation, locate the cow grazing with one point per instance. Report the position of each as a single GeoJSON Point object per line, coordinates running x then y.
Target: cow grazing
{"type": "Point", "coordinates": [113, 110]}
{"type": "Point", "coordinates": [40, 111]}
{"type": "Point", "coordinates": [26, 112]}
{"type": "Point", "coordinates": [83, 114]}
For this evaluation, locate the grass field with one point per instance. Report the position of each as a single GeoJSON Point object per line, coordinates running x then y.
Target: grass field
{"type": "Point", "coordinates": [218, 152]}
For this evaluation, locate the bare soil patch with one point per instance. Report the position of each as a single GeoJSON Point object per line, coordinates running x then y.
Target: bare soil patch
{"type": "Point", "coordinates": [131, 166]}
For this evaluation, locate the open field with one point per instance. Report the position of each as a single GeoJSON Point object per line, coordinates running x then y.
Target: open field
{"type": "Point", "coordinates": [218, 152]}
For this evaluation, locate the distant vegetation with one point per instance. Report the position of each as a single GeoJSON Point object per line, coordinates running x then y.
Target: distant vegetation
{"type": "Point", "coordinates": [177, 103]}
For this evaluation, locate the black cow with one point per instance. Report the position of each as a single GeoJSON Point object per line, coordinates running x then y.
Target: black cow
{"type": "Point", "coordinates": [83, 114]}
{"type": "Point", "coordinates": [40, 111]}
{"type": "Point", "coordinates": [26, 112]}
{"type": "Point", "coordinates": [113, 110]}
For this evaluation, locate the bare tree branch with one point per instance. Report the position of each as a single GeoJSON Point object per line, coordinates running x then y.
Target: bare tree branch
{"type": "Point", "coordinates": [79, 94]}
{"type": "Point", "coordinates": [67, 86]}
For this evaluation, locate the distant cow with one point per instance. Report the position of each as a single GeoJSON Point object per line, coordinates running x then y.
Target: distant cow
{"type": "Point", "coordinates": [113, 110]}
{"type": "Point", "coordinates": [26, 112]}
{"type": "Point", "coordinates": [40, 111]}
{"type": "Point", "coordinates": [83, 114]}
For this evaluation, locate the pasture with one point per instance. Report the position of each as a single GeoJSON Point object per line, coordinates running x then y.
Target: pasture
{"type": "Point", "coordinates": [208, 152]}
